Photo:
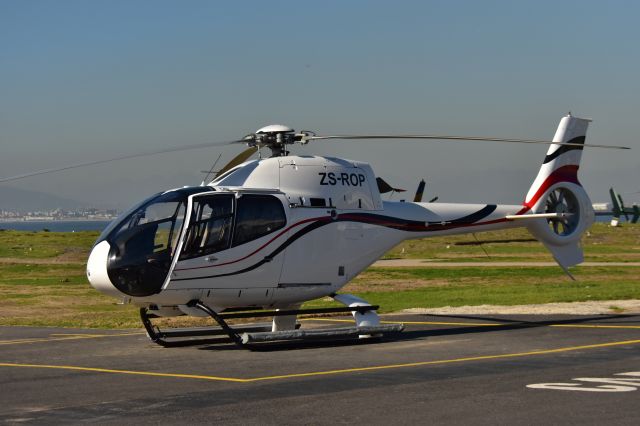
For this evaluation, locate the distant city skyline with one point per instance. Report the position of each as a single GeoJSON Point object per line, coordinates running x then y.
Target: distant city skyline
{"type": "Point", "coordinates": [83, 81]}
{"type": "Point", "coordinates": [89, 213]}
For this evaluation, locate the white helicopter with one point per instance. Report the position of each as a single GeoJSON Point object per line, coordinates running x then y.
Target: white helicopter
{"type": "Point", "coordinates": [266, 235]}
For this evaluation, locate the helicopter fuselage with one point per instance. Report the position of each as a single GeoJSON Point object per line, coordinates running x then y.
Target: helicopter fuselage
{"type": "Point", "coordinates": [268, 233]}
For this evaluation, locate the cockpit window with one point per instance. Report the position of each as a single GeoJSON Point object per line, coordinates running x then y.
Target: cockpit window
{"type": "Point", "coordinates": [124, 218]}
{"type": "Point", "coordinates": [118, 221]}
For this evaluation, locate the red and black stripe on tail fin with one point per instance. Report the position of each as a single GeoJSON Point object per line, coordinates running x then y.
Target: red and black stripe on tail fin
{"type": "Point", "coordinates": [561, 162]}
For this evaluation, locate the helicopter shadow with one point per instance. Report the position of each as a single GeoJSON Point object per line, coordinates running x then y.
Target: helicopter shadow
{"type": "Point", "coordinates": [293, 345]}
{"type": "Point", "coordinates": [494, 324]}
{"type": "Point", "coordinates": [497, 324]}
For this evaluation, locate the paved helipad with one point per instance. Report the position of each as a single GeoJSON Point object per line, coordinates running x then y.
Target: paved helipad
{"type": "Point", "coordinates": [453, 370]}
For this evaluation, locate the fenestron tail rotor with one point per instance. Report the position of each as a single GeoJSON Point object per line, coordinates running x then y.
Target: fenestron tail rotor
{"type": "Point", "coordinates": [563, 202]}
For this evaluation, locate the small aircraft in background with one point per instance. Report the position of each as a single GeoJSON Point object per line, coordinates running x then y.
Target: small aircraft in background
{"type": "Point", "coordinates": [384, 188]}
{"type": "Point", "coordinates": [617, 209]}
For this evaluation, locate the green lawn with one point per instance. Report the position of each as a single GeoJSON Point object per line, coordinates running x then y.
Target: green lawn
{"type": "Point", "coordinates": [602, 243]}
{"type": "Point", "coordinates": [41, 244]}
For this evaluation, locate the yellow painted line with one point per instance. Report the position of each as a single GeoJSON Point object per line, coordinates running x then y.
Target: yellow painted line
{"type": "Point", "coordinates": [44, 339]}
{"type": "Point", "coordinates": [328, 372]}
{"type": "Point", "coordinates": [135, 373]}
{"type": "Point", "coordinates": [448, 361]}
{"type": "Point", "coordinates": [15, 341]}
{"type": "Point", "coordinates": [637, 327]}
{"type": "Point", "coordinates": [478, 324]}
{"type": "Point", "coordinates": [58, 339]}
{"type": "Point", "coordinates": [77, 334]}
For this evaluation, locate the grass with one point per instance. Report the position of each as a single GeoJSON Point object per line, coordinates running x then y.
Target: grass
{"type": "Point", "coordinates": [397, 289]}
{"type": "Point", "coordinates": [602, 244]}
{"type": "Point", "coordinates": [43, 282]}
{"type": "Point", "coordinates": [40, 244]}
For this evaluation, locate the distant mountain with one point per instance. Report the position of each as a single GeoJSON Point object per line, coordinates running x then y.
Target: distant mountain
{"type": "Point", "coordinates": [23, 200]}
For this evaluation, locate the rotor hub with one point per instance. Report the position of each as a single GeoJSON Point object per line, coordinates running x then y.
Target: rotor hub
{"type": "Point", "coordinates": [275, 128]}
{"type": "Point", "coordinates": [276, 137]}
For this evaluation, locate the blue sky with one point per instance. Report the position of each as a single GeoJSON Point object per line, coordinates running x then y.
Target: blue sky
{"type": "Point", "coordinates": [84, 80]}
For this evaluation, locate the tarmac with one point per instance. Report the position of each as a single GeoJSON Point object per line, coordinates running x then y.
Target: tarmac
{"type": "Point", "coordinates": [442, 369]}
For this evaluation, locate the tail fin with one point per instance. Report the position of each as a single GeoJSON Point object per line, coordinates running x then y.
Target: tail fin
{"type": "Point", "coordinates": [636, 213]}
{"type": "Point", "coordinates": [418, 197]}
{"type": "Point", "coordinates": [562, 161]}
{"type": "Point", "coordinates": [615, 203]}
{"type": "Point", "coordinates": [617, 207]}
{"type": "Point", "coordinates": [557, 189]}
{"type": "Point", "coordinates": [384, 187]}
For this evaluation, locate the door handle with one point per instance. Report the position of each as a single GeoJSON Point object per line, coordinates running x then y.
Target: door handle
{"type": "Point", "coordinates": [210, 259]}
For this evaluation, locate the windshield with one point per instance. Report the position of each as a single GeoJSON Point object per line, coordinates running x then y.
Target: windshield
{"type": "Point", "coordinates": [117, 221]}
{"type": "Point", "coordinates": [143, 242]}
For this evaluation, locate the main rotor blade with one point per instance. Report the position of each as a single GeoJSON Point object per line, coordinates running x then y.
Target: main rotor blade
{"type": "Point", "coordinates": [122, 157]}
{"type": "Point", "coordinates": [238, 159]}
{"type": "Point", "coordinates": [462, 138]}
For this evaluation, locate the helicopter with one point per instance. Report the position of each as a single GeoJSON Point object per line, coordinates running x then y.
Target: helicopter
{"type": "Point", "coordinates": [266, 235]}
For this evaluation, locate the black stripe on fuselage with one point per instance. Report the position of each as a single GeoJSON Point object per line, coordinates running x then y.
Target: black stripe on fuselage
{"type": "Point", "coordinates": [565, 148]}
{"type": "Point", "coordinates": [374, 219]}
{"type": "Point", "coordinates": [474, 217]}
{"type": "Point", "coordinates": [315, 225]}
{"type": "Point", "coordinates": [416, 225]}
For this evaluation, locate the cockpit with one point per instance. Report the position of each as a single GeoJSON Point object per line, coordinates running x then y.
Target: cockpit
{"type": "Point", "coordinates": [144, 241]}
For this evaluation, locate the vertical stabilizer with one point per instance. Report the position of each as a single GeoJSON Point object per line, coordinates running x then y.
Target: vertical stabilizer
{"type": "Point", "coordinates": [556, 190]}
{"type": "Point", "coordinates": [418, 197]}
{"type": "Point", "coordinates": [562, 161]}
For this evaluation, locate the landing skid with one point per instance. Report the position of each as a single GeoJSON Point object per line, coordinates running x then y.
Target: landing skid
{"type": "Point", "coordinates": [283, 328]}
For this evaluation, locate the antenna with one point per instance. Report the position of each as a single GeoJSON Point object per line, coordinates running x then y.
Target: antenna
{"type": "Point", "coordinates": [211, 170]}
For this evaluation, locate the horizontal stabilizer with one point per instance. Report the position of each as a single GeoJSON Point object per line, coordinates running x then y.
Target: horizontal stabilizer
{"type": "Point", "coordinates": [558, 216]}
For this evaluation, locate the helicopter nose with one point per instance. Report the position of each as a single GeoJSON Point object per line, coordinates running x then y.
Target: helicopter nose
{"type": "Point", "coordinates": [97, 270]}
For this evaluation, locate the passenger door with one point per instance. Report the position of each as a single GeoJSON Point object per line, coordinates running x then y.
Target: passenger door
{"type": "Point", "coordinates": [227, 244]}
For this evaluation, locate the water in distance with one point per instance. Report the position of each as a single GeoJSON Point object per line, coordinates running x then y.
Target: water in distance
{"type": "Point", "coordinates": [56, 225]}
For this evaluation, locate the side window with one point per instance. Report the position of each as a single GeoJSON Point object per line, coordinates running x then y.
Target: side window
{"type": "Point", "coordinates": [210, 226]}
{"type": "Point", "coordinates": [257, 216]}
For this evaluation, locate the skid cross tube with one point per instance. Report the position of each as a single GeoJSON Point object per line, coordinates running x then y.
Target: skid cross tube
{"type": "Point", "coordinates": [151, 332]}
{"type": "Point", "coordinates": [158, 336]}
{"type": "Point", "coordinates": [230, 331]}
